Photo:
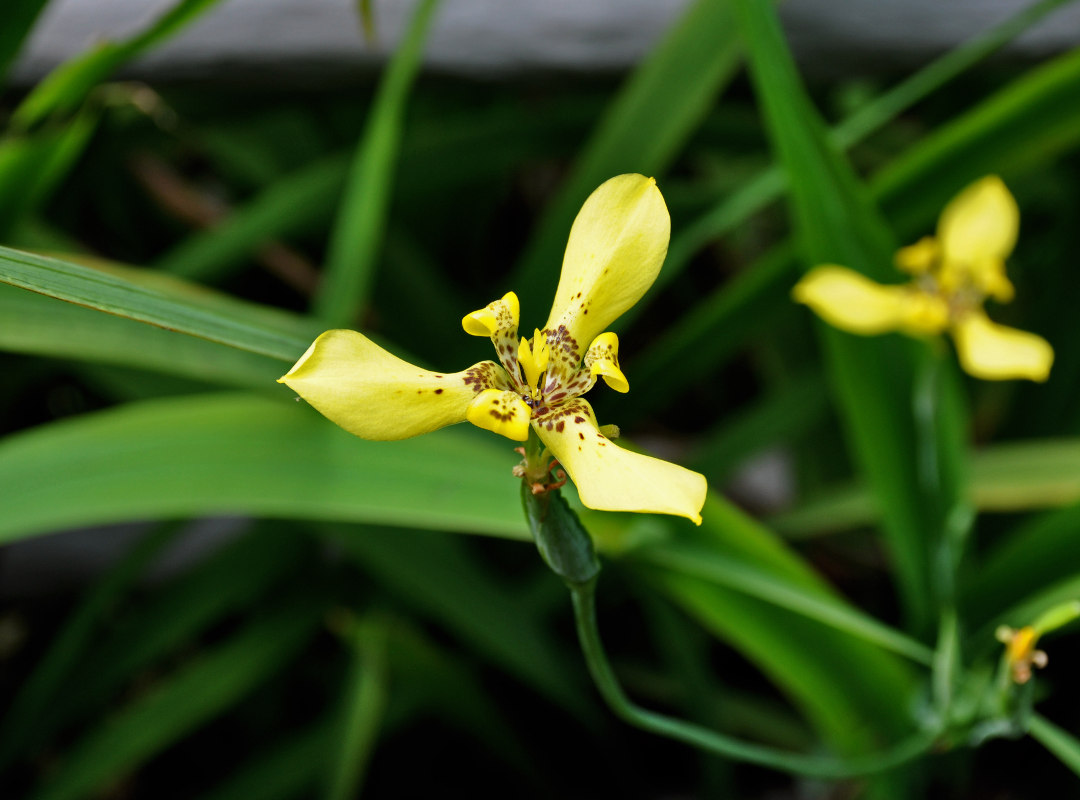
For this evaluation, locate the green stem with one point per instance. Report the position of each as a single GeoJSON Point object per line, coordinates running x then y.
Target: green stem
{"type": "Point", "coordinates": [584, 598]}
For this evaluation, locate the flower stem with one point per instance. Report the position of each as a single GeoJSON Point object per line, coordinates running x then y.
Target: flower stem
{"type": "Point", "coordinates": [584, 599]}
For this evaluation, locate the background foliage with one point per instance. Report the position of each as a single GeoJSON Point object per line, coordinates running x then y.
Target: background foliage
{"type": "Point", "coordinates": [346, 631]}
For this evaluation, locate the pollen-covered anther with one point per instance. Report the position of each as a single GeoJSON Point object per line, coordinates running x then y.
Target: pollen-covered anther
{"type": "Point", "coordinates": [502, 412]}
{"type": "Point", "coordinates": [602, 359]}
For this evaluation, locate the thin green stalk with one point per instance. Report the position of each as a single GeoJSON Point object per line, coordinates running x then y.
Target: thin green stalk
{"type": "Point", "coordinates": [584, 599]}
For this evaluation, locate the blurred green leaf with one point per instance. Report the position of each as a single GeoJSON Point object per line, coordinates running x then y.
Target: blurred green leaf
{"type": "Point", "coordinates": [1058, 741]}
{"type": "Point", "coordinates": [290, 205]}
{"type": "Point", "coordinates": [163, 623]}
{"type": "Point", "coordinates": [435, 574]}
{"type": "Point", "coordinates": [1011, 476]}
{"type": "Point", "coordinates": [873, 379]}
{"type": "Point", "coordinates": [362, 708]}
{"type": "Point", "coordinates": [239, 454]}
{"type": "Point", "coordinates": [67, 86]}
{"type": "Point", "coordinates": [282, 771]}
{"type": "Point", "coordinates": [19, 19]}
{"type": "Point", "coordinates": [70, 643]}
{"type": "Point", "coordinates": [357, 235]}
{"type": "Point", "coordinates": [198, 692]}
{"type": "Point", "coordinates": [642, 130]}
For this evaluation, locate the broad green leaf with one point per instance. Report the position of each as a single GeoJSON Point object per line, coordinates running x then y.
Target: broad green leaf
{"type": "Point", "coordinates": [642, 130]}
{"type": "Point", "coordinates": [198, 692]}
{"type": "Point", "coordinates": [240, 454]}
{"type": "Point", "coordinates": [357, 236]}
{"type": "Point", "coordinates": [67, 86]}
{"type": "Point", "coordinates": [873, 379]}
{"type": "Point", "coordinates": [40, 325]}
{"type": "Point", "coordinates": [162, 301]}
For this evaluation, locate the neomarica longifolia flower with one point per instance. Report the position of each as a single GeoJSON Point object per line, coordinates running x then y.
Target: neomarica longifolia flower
{"type": "Point", "coordinates": [616, 247]}
{"type": "Point", "coordinates": [953, 274]}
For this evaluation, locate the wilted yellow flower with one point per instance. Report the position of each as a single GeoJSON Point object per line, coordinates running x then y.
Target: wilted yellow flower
{"type": "Point", "coordinates": [617, 245]}
{"type": "Point", "coordinates": [954, 273]}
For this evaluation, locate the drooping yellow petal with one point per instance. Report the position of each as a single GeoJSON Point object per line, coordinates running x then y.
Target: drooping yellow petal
{"type": "Point", "coordinates": [603, 359]}
{"type": "Point", "coordinates": [979, 225]}
{"type": "Point", "coordinates": [996, 352]}
{"type": "Point", "coordinates": [375, 395]}
{"type": "Point", "coordinates": [501, 412]}
{"type": "Point", "coordinates": [609, 478]}
{"type": "Point", "coordinates": [852, 302]}
{"type": "Point", "coordinates": [614, 253]}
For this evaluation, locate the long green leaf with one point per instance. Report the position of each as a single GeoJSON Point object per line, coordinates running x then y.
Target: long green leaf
{"type": "Point", "coordinates": [1058, 741]}
{"type": "Point", "coordinates": [873, 378]}
{"type": "Point", "coordinates": [357, 236]}
{"type": "Point", "coordinates": [40, 325]}
{"type": "Point", "coordinates": [161, 301]}
{"type": "Point", "coordinates": [197, 693]}
{"type": "Point", "coordinates": [238, 454]}
{"type": "Point", "coordinates": [642, 130]}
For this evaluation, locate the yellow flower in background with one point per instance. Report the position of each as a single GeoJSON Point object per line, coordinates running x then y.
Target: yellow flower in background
{"type": "Point", "coordinates": [953, 274]}
{"type": "Point", "coordinates": [616, 247]}
{"type": "Point", "coordinates": [1020, 652]}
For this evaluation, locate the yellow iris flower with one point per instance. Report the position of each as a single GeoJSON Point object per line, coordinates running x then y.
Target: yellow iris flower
{"type": "Point", "coordinates": [953, 273]}
{"type": "Point", "coordinates": [616, 247]}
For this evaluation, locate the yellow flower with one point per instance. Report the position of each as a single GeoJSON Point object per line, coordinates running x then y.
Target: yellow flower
{"type": "Point", "coordinates": [1020, 652]}
{"type": "Point", "coordinates": [953, 273]}
{"type": "Point", "coordinates": [616, 247]}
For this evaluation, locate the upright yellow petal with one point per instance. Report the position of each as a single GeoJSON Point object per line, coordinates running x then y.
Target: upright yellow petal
{"type": "Point", "coordinates": [852, 302]}
{"type": "Point", "coordinates": [609, 478]}
{"type": "Point", "coordinates": [375, 395]}
{"type": "Point", "coordinates": [979, 226]}
{"type": "Point", "coordinates": [614, 253]}
{"type": "Point", "coordinates": [997, 353]}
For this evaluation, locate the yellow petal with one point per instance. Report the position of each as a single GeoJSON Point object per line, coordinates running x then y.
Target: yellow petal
{"type": "Point", "coordinates": [603, 359]}
{"type": "Point", "coordinates": [501, 412]}
{"type": "Point", "coordinates": [614, 253]}
{"type": "Point", "coordinates": [609, 478]}
{"type": "Point", "coordinates": [979, 226]}
{"type": "Point", "coordinates": [375, 395]}
{"type": "Point", "coordinates": [852, 302]}
{"type": "Point", "coordinates": [995, 352]}
{"type": "Point", "coordinates": [918, 258]}
{"type": "Point", "coordinates": [496, 317]}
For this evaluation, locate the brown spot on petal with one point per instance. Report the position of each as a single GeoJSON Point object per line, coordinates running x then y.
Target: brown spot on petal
{"type": "Point", "coordinates": [581, 436]}
{"type": "Point", "coordinates": [438, 391]}
{"type": "Point", "coordinates": [579, 420]}
{"type": "Point", "coordinates": [559, 426]}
